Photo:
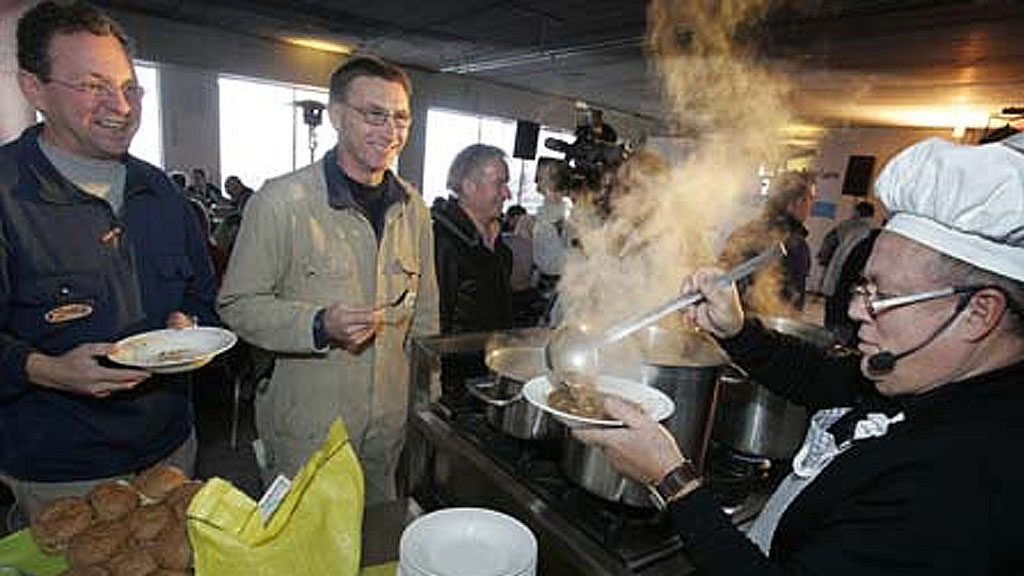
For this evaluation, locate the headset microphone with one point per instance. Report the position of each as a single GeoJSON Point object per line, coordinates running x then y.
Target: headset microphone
{"type": "Point", "coordinates": [884, 362]}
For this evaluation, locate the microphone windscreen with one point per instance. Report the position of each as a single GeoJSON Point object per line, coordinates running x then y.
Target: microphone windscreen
{"type": "Point", "coordinates": [882, 362]}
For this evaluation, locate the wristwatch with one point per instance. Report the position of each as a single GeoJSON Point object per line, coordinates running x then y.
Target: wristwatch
{"type": "Point", "coordinates": [673, 484]}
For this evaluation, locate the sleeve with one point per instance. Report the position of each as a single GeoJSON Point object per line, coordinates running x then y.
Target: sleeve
{"type": "Point", "coordinates": [201, 292]}
{"type": "Point", "coordinates": [425, 319]}
{"type": "Point", "coordinates": [13, 352]}
{"type": "Point", "coordinates": [712, 542]}
{"type": "Point", "coordinates": [797, 370]}
{"type": "Point", "coordinates": [447, 267]}
{"type": "Point", "coordinates": [249, 300]}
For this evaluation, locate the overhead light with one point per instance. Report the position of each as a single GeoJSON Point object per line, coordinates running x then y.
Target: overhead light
{"type": "Point", "coordinates": [319, 44]}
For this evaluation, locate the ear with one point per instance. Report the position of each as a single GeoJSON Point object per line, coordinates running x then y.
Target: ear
{"type": "Point", "coordinates": [32, 87]}
{"type": "Point", "coordinates": [984, 313]}
{"type": "Point", "coordinates": [334, 114]}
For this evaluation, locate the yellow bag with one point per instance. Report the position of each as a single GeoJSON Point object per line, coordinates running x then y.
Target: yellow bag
{"type": "Point", "coordinates": [316, 529]}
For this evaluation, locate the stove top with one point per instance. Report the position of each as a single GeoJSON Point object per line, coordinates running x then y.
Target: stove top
{"type": "Point", "coordinates": [639, 537]}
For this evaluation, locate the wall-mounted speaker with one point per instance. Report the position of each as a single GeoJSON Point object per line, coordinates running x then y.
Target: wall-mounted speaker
{"type": "Point", "coordinates": [859, 170]}
{"type": "Point", "coordinates": [526, 140]}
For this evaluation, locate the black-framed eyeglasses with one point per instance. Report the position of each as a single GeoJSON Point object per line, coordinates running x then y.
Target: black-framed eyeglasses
{"type": "Point", "coordinates": [100, 89]}
{"type": "Point", "coordinates": [377, 116]}
{"type": "Point", "coordinates": [876, 302]}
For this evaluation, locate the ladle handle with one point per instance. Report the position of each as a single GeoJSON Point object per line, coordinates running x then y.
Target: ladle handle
{"type": "Point", "coordinates": [620, 331]}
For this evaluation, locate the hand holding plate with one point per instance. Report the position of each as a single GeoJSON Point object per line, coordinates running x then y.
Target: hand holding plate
{"type": "Point", "coordinates": [80, 372]}
{"type": "Point", "coordinates": [642, 450]}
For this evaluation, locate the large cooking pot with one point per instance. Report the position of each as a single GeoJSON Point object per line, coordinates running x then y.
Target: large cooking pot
{"type": "Point", "coordinates": [754, 420]}
{"type": "Point", "coordinates": [513, 360]}
{"type": "Point", "coordinates": [685, 366]}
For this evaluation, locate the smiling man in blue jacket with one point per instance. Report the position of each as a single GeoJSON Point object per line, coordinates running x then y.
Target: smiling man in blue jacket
{"type": "Point", "coordinates": [95, 245]}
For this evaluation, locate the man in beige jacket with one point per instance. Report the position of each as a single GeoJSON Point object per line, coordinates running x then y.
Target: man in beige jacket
{"type": "Point", "coordinates": [333, 271]}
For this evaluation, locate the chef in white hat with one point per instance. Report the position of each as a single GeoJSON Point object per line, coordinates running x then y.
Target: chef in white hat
{"type": "Point", "coordinates": [910, 465]}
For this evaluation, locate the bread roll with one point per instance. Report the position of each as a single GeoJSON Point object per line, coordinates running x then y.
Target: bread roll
{"type": "Point", "coordinates": [159, 481]}
{"type": "Point", "coordinates": [85, 571]}
{"type": "Point", "coordinates": [98, 543]}
{"type": "Point", "coordinates": [171, 548]}
{"type": "Point", "coordinates": [134, 562]}
{"type": "Point", "coordinates": [179, 500]}
{"type": "Point", "coordinates": [112, 500]}
{"type": "Point", "coordinates": [60, 521]}
{"type": "Point", "coordinates": [146, 522]}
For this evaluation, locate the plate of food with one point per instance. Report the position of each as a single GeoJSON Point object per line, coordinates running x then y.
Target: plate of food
{"type": "Point", "coordinates": [582, 404]}
{"type": "Point", "coordinates": [171, 350]}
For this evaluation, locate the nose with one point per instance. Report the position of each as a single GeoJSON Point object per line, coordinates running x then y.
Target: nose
{"type": "Point", "coordinates": [857, 310]}
{"type": "Point", "coordinates": [506, 192]}
{"type": "Point", "coordinates": [118, 101]}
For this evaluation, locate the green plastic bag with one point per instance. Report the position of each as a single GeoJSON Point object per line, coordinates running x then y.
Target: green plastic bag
{"type": "Point", "coordinates": [315, 530]}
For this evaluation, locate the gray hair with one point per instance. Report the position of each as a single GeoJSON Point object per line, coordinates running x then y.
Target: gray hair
{"type": "Point", "coordinates": [946, 269]}
{"type": "Point", "coordinates": [469, 164]}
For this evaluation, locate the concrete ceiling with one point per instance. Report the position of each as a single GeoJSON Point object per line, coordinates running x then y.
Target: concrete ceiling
{"type": "Point", "coordinates": [853, 62]}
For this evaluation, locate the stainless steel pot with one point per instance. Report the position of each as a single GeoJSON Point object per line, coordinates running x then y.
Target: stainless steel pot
{"type": "Point", "coordinates": [588, 467]}
{"type": "Point", "coordinates": [754, 420]}
{"type": "Point", "coordinates": [692, 387]}
{"type": "Point", "coordinates": [512, 364]}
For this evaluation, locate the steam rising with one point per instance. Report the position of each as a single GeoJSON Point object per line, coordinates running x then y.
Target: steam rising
{"type": "Point", "coordinates": [667, 220]}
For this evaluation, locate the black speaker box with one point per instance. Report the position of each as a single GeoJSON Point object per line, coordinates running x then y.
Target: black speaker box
{"type": "Point", "coordinates": [859, 170]}
{"type": "Point", "coordinates": [526, 140]}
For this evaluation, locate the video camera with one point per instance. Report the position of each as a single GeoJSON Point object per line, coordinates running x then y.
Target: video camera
{"type": "Point", "coordinates": [592, 153]}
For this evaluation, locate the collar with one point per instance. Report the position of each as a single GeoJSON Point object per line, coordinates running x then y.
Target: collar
{"type": "Point", "coordinates": [55, 188]}
{"type": "Point", "coordinates": [449, 215]}
{"type": "Point", "coordinates": [339, 194]}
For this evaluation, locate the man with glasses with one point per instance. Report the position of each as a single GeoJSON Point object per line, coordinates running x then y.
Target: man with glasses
{"type": "Point", "coordinates": [910, 464]}
{"type": "Point", "coordinates": [97, 245]}
{"type": "Point", "coordinates": [333, 271]}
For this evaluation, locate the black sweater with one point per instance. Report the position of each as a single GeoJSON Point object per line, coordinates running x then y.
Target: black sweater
{"type": "Point", "coordinates": [941, 494]}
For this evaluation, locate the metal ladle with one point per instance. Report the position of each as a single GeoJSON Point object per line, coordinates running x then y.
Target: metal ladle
{"type": "Point", "coordinates": [571, 351]}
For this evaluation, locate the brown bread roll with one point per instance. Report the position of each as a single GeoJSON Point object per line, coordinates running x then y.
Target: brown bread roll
{"type": "Point", "coordinates": [60, 521]}
{"type": "Point", "coordinates": [112, 500]}
{"type": "Point", "coordinates": [133, 562]}
{"type": "Point", "coordinates": [146, 522]}
{"type": "Point", "coordinates": [171, 548]}
{"type": "Point", "coordinates": [98, 543]}
{"type": "Point", "coordinates": [179, 500]}
{"type": "Point", "coordinates": [159, 481]}
{"type": "Point", "coordinates": [85, 571]}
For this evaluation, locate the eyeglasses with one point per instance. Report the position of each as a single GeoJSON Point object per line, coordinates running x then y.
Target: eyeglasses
{"type": "Point", "coordinates": [876, 302]}
{"type": "Point", "coordinates": [99, 89]}
{"type": "Point", "coordinates": [377, 116]}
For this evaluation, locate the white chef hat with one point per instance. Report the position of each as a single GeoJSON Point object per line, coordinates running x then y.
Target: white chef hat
{"type": "Point", "coordinates": [964, 201]}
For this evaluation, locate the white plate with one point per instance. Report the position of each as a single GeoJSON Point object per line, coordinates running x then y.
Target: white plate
{"type": "Point", "coordinates": [467, 542]}
{"type": "Point", "coordinates": [171, 351]}
{"type": "Point", "coordinates": [653, 401]}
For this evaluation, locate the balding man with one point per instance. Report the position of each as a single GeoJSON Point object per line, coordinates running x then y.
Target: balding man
{"type": "Point", "coordinates": [908, 466]}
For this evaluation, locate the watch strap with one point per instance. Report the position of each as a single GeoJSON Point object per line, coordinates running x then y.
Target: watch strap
{"type": "Point", "coordinates": [673, 483]}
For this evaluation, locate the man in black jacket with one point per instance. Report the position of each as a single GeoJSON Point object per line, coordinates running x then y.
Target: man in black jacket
{"type": "Point", "coordinates": [905, 468]}
{"type": "Point", "coordinates": [474, 266]}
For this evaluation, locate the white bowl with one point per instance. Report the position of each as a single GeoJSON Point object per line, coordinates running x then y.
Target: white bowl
{"type": "Point", "coordinates": [654, 402]}
{"type": "Point", "coordinates": [467, 542]}
{"type": "Point", "coordinates": [171, 350]}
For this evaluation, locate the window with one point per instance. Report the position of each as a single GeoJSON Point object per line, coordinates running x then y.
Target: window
{"type": "Point", "coordinates": [147, 143]}
{"type": "Point", "coordinates": [448, 132]}
{"type": "Point", "coordinates": [262, 130]}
